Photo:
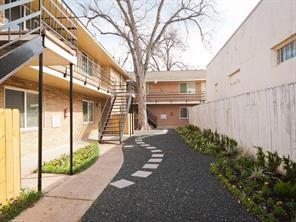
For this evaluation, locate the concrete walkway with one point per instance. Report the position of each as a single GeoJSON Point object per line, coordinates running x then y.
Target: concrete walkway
{"type": "Point", "coordinates": [70, 198]}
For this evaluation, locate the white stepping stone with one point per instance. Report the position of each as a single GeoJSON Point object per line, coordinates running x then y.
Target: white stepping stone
{"type": "Point", "coordinates": [145, 145]}
{"type": "Point", "coordinates": [141, 173]}
{"type": "Point", "coordinates": [150, 166]}
{"type": "Point", "coordinates": [140, 142]}
{"type": "Point", "coordinates": [122, 183]}
{"type": "Point", "coordinates": [156, 151]}
{"type": "Point", "coordinates": [128, 146]}
{"type": "Point", "coordinates": [150, 147]}
{"type": "Point", "coordinates": [157, 155]}
{"type": "Point", "coordinates": [154, 160]}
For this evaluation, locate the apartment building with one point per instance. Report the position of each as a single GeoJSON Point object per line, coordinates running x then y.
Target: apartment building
{"type": "Point", "coordinates": [170, 93]}
{"type": "Point", "coordinates": [44, 37]}
{"type": "Point", "coordinates": [260, 54]}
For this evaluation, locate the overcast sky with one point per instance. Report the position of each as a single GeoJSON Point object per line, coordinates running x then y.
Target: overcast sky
{"type": "Point", "coordinates": [231, 14]}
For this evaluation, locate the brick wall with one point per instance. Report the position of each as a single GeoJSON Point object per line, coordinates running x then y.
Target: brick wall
{"type": "Point", "coordinates": [55, 102]}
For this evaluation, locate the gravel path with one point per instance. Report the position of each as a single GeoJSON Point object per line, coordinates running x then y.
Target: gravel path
{"type": "Point", "coordinates": [180, 189]}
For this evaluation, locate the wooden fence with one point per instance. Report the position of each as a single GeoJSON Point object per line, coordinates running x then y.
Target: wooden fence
{"type": "Point", "coordinates": [265, 118]}
{"type": "Point", "coordinates": [10, 176]}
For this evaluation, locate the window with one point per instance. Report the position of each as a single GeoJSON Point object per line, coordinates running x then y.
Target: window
{"type": "Point", "coordinates": [87, 64]}
{"type": "Point", "coordinates": [187, 87]}
{"type": "Point", "coordinates": [184, 114]}
{"type": "Point", "coordinates": [287, 52]}
{"type": "Point", "coordinates": [88, 111]}
{"type": "Point", "coordinates": [26, 103]}
{"type": "Point", "coordinates": [234, 77]}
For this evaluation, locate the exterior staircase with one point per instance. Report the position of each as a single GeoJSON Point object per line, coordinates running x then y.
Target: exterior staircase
{"type": "Point", "coordinates": [17, 47]}
{"type": "Point", "coordinates": [114, 115]}
{"type": "Point", "coordinates": [151, 117]}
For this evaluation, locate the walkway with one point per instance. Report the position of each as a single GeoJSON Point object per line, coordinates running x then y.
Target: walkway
{"type": "Point", "coordinates": [70, 198]}
{"type": "Point", "coordinates": [162, 179]}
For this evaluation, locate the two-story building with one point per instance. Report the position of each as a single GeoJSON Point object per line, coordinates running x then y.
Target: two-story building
{"type": "Point", "coordinates": [170, 93]}
{"type": "Point", "coordinates": [260, 54]}
{"type": "Point", "coordinates": [44, 37]}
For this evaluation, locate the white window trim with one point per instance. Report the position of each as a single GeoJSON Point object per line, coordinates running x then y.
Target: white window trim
{"type": "Point", "coordinates": [88, 101]}
{"type": "Point", "coordinates": [180, 113]}
{"type": "Point", "coordinates": [23, 129]}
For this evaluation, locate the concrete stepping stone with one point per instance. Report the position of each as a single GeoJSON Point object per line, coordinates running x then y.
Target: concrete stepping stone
{"type": "Point", "coordinates": [122, 183]}
{"type": "Point", "coordinates": [154, 160]}
{"type": "Point", "coordinates": [141, 173]}
{"type": "Point", "coordinates": [145, 145]}
{"type": "Point", "coordinates": [150, 166]}
{"type": "Point", "coordinates": [157, 155]}
{"type": "Point", "coordinates": [128, 146]}
{"type": "Point", "coordinates": [150, 147]}
{"type": "Point", "coordinates": [156, 151]}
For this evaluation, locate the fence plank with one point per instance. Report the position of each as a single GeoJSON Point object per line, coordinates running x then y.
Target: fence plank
{"type": "Point", "coordinates": [9, 154]}
{"type": "Point", "coordinates": [16, 151]}
{"type": "Point", "coordinates": [2, 158]}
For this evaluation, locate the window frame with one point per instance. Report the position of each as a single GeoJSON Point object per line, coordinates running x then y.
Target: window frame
{"type": "Point", "coordinates": [93, 104]}
{"type": "Point", "coordinates": [187, 83]}
{"type": "Point", "coordinates": [25, 91]}
{"type": "Point", "coordinates": [180, 112]}
{"type": "Point", "coordinates": [282, 52]}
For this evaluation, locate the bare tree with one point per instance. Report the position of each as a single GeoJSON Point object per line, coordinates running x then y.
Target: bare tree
{"type": "Point", "coordinates": [142, 24]}
{"type": "Point", "coordinates": [166, 56]}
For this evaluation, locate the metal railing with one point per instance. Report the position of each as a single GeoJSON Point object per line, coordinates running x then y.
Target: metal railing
{"type": "Point", "coordinates": [18, 20]}
{"type": "Point", "coordinates": [104, 116]}
{"type": "Point", "coordinates": [60, 20]}
{"type": "Point", "coordinates": [92, 73]}
{"type": "Point", "coordinates": [171, 97]}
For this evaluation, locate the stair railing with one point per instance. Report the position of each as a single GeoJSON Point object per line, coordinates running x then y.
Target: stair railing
{"type": "Point", "coordinates": [122, 121]}
{"type": "Point", "coordinates": [17, 29]}
{"type": "Point", "coordinates": [105, 114]}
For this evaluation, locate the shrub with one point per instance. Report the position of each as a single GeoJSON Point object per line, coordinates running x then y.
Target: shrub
{"type": "Point", "coordinates": [15, 206]}
{"type": "Point", "coordinates": [82, 159]}
{"type": "Point", "coordinates": [285, 189]}
{"type": "Point", "coordinates": [273, 162]}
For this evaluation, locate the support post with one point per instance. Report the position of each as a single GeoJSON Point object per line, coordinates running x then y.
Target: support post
{"type": "Point", "coordinates": [40, 125]}
{"type": "Point", "coordinates": [71, 119]}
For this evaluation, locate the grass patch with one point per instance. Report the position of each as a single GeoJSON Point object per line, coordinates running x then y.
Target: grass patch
{"type": "Point", "coordinates": [82, 159]}
{"type": "Point", "coordinates": [15, 206]}
{"type": "Point", "coordinates": [255, 181]}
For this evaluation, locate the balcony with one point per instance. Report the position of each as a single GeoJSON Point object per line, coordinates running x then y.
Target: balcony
{"type": "Point", "coordinates": [21, 19]}
{"type": "Point", "coordinates": [175, 98]}
{"type": "Point", "coordinates": [88, 72]}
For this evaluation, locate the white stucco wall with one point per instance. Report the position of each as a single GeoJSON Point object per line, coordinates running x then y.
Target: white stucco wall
{"type": "Point", "coordinates": [250, 51]}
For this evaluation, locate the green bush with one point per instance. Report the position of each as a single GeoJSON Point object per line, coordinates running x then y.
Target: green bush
{"type": "Point", "coordinates": [254, 181]}
{"type": "Point", "coordinates": [15, 206]}
{"type": "Point", "coordinates": [82, 159]}
{"type": "Point", "coordinates": [285, 189]}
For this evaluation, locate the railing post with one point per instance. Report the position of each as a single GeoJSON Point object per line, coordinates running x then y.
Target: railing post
{"type": "Point", "coordinates": [40, 125]}
{"type": "Point", "coordinates": [71, 119]}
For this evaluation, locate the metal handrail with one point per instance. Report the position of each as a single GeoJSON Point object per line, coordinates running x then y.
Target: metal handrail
{"type": "Point", "coordinates": [104, 116]}
{"type": "Point", "coordinates": [64, 25]}
{"type": "Point", "coordinates": [122, 122]}
{"type": "Point", "coordinates": [176, 96]}
{"type": "Point", "coordinates": [21, 33]}
{"type": "Point", "coordinates": [94, 72]}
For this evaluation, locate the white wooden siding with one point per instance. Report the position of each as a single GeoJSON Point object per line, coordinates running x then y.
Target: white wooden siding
{"type": "Point", "coordinates": [265, 118]}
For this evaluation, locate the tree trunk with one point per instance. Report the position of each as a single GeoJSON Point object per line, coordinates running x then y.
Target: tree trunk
{"type": "Point", "coordinates": [142, 107]}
